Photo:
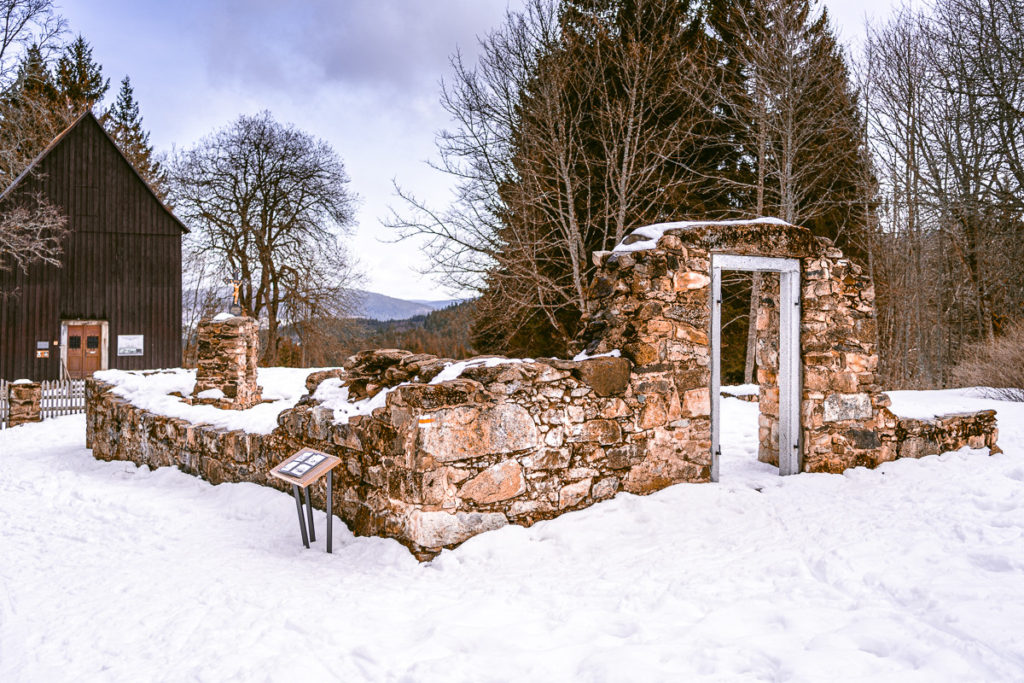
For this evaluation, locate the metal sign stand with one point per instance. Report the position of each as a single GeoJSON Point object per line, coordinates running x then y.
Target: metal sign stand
{"type": "Point", "coordinates": [303, 469]}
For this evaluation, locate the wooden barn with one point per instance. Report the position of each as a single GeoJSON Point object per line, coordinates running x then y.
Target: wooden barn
{"type": "Point", "coordinates": [115, 302]}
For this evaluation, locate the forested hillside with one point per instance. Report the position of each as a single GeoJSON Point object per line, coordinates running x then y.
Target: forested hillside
{"type": "Point", "coordinates": [444, 333]}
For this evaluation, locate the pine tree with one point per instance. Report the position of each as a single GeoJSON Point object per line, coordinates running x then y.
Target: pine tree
{"type": "Point", "coordinates": [79, 79]}
{"type": "Point", "coordinates": [31, 115]}
{"type": "Point", "coordinates": [124, 123]}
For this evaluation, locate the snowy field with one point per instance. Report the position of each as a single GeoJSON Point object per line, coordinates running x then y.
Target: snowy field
{"type": "Point", "coordinates": [912, 572]}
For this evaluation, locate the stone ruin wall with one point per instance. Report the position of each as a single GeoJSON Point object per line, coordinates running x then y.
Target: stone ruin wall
{"type": "Point", "coordinates": [844, 416]}
{"type": "Point", "coordinates": [439, 463]}
{"type": "Point", "coordinates": [525, 441]}
{"type": "Point", "coordinates": [227, 354]}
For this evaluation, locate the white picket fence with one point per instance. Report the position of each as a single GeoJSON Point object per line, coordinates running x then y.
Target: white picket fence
{"type": "Point", "coordinates": [60, 397]}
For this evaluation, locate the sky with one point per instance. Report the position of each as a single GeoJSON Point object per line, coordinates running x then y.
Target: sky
{"type": "Point", "coordinates": [364, 75]}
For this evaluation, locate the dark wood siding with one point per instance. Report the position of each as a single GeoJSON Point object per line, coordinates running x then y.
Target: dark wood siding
{"type": "Point", "coordinates": [122, 261]}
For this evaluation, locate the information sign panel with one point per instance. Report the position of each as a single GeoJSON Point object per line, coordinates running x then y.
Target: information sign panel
{"type": "Point", "coordinates": [130, 344]}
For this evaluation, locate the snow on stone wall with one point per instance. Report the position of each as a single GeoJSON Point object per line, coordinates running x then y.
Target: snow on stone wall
{"type": "Point", "coordinates": [436, 451]}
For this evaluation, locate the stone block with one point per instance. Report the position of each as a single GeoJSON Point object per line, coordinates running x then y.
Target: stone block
{"type": "Point", "coordinates": [918, 447]}
{"type": "Point", "coordinates": [696, 402]}
{"type": "Point", "coordinates": [436, 529]}
{"type": "Point", "coordinates": [841, 407]}
{"type": "Point", "coordinates": [466, 432]}
{"type": "Point", "coordinates": [604, 432]}
{"type": "Point", "coordinates": [605, 488]}
{"type": "Point", "coordinates": [496, 483]}
{"type": "Point", "coordinates": [549, 459]}
{"type": "Point", "coordinates": [608, 376]}
{"type": "Point", "coordinates": [690, 280]}
{"type": "Point", "coordinates": [572, 494]}
{"type": "Point", "coordinates": [641, 353]}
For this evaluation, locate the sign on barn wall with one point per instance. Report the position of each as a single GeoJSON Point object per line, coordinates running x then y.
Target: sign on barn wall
{"type": "Point", "coordinates": [129, 344]}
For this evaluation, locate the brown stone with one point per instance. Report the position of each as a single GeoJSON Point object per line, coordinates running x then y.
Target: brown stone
{"type": "Point", "coordinates": [696, 402]}
{"type": "Point", "coordinates": [691, 280]}
{"type": "Point", "coordinates": [607, 375]}
{"type": "Point", "coordinates": [438, 529]}
{"type": "Point", "coordinates": [640, 353]}
{"type": "Point", "coordinates": [691, 333]}
{"type": "Point", "coordinates": [605, 488]}
{"type": "Point", "coordinates": [653, 475]}
{"type": "Point", "coordinates": [602, 431]}
{"type": "Point", "coordinates": [550, 459]}
{"type": "Point", "coordinates": [498, 482]}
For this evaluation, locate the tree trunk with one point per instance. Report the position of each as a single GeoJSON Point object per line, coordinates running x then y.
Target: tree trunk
{"type": "Point", "coordinates": [755, 297]}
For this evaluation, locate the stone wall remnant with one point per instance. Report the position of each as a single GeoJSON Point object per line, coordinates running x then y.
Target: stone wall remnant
{"type": "Point", "coordinates": [452, 450]}
{"type": "Point", "coordinates": [639, 308]}
{"type": "Point", "coordinates": [25, 401]}
{"type": "Point", "coordinates": [228, 350]}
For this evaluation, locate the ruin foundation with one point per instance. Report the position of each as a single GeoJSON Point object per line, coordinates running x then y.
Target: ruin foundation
{"type": "Point", "coordinates": [520, 441]}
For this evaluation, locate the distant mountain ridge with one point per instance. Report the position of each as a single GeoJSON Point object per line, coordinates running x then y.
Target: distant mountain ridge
{"type": "Point", "coordinates": [371, 305]}
{"type": "Point", "coordinates": [377, 306]}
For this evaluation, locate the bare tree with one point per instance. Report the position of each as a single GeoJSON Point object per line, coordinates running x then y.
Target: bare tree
{"type": "Point", "coordinates": [946, 123]}
{"type": "Point", "coordinates": [271, 202]}
{"type": "Point", "coordinates": [202, 293]}
{"type": "Point", "coordinates": [24, 23]}
{"type": "Point", "coordinates": [792, 112]}
{"type": "Point", "coordinates": [569, 131]}
{"type": "Point", "coordinates": [32, 231]}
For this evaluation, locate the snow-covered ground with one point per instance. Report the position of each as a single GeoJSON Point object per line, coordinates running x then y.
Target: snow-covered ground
{"type": "Point", "coordinates": [911, 572]}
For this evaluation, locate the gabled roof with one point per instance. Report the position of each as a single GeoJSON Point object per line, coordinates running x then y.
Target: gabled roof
{"type": "Point", "coordinates": [88, 115]}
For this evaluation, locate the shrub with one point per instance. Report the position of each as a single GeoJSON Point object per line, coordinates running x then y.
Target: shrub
{"type": "Point", "coordinates": [997, 364]}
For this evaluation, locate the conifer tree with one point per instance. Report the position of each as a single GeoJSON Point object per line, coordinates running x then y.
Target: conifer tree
{"type": "Point", "coordinates": [79, 78]}
{"type": "Point", "coordinates": [124, 123]}
{"type": "Point", "coordinates": [31, 115]}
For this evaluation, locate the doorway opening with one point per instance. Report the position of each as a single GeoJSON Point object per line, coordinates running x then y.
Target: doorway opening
{"type": "Point", "coordinates": [83, 347]}
{"type": "Point", "coordinates": [787, 421]}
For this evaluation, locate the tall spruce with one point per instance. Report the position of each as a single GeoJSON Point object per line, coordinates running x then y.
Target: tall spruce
{"type": "Point", "coordinates": [30, 113]}
{"type": "Point", "coordinates": [124, 123]}
{"type": "Point", "coordinates": [79, 78]}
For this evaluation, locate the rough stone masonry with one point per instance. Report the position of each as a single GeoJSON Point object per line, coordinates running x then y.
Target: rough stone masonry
{"type": "Point", "coordinates": [521, 441]}
{"type": "Point", "coordinates": [228, 351]}
{"type": "Point", "coordinates": [24, 400]}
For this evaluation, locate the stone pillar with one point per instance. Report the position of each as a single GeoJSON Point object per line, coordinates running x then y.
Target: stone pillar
{"type": "Point", "coordinates": [226, 372]}
{"type": "Point", "coordinates": [25, 400]}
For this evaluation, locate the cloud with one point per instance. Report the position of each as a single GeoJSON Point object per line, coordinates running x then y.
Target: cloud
{"type": "Point", "coordinates": [392, 45]}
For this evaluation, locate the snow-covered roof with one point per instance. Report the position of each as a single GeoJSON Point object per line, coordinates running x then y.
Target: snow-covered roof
{"type": "Point", "coordinates": [647, 237]}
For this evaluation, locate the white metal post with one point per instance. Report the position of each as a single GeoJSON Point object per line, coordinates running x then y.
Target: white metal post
{"type": "Point", "coordinates": [716, 366]}
{"type": "Point", "coordinates": [790, 386]}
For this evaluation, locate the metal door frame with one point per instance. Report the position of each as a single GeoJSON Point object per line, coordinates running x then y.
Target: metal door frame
{"type": "Point", "coordinates": [790, 377]}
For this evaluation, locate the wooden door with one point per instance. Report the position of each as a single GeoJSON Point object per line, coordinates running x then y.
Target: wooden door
{"type": "Point", "coordinates": [84, 353]}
